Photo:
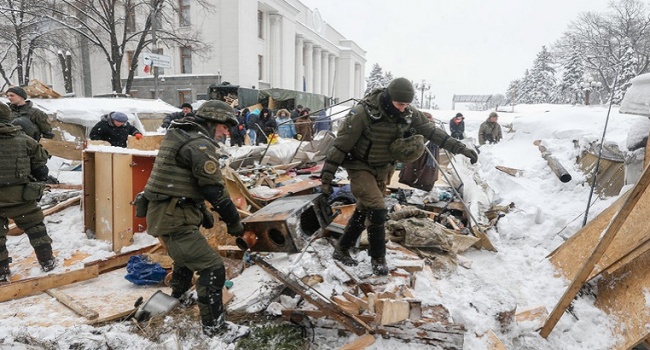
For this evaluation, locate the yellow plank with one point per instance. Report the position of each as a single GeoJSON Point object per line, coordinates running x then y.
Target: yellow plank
{"type": "Point", "coordinates": [104, 196]}
{"type": "Point", "coordinates": [30, 286]}
{"type": "Point", "coordinates": [122, 196]}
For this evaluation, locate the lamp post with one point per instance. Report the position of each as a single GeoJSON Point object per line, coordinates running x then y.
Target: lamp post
{"type": "Point", "coordinates": [587, 85]}
{"type": "Point", "coordinates": [422, 86]}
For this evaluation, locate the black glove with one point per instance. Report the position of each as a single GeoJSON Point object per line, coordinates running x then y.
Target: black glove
{"type": "Point", "coordinates": [208, 219]}
{"type": "Point", "coordinates": [471, 154]}
{"type": "Point", "coordinates": [236, 229]}
{"type": "Point", "coordinates": [48, 135]}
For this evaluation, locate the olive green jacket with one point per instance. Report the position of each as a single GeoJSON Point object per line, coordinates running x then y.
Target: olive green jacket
{"type": "Point", "coordinates": [20, 155]}
{"type": "Point", "coordinates": [489, 132]}
{"type": "Point", "coordinates": [35, 115]}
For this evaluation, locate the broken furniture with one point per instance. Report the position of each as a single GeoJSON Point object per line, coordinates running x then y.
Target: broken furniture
{"type": "Point", "coordinates": [286, 224]}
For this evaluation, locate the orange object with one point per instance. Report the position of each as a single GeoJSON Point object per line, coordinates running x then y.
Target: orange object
{"type": "Point", "coordinates": [246, 241]}
{"type": "Point", "coordinates": [138, 136]}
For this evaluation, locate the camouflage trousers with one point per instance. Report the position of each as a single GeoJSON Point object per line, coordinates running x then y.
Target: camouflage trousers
{"type": "Point", "coordinates": [29, 217]}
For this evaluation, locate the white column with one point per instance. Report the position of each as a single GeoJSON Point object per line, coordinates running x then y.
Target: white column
{"type": "Point", "coordinates": [325, 67]}
{"type": "Point", "coordinates": [317, 70]}
{"type": "Point", "coordinates": [333, 75]}
{"type": "Point", "coordinates": [275, 64]}
{"type": "Point", "coordinates": [309, 66]}
{"type": "Point", "coordinates": [299, 68]}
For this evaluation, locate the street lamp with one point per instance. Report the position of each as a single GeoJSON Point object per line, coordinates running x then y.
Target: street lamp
{"type": "Point", "coordinates": [423, 86]}
{"type": "Point", "coordinates": [588, 85]}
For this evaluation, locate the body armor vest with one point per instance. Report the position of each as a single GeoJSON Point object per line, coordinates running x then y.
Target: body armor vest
{"type": "Point", "coordinates": [15, 165]}
{"type": "Point", "coordinates": [167, 177]}
{"type": "Point", "coordinates": [374, 144]}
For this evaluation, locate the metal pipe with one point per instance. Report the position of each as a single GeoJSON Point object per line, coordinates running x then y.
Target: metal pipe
{"type": "Point", "coordinates": [553, 163]}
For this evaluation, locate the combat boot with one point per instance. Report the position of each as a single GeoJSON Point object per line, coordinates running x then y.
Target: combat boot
{"type": "Point", "coordinates": [379, 266]}
{"type": "Point", "coordinates": [45, 257]}
{"type": "Point", "coordinates": [353, 230]}
{"type": "Point", "coordinates": [4, 270]}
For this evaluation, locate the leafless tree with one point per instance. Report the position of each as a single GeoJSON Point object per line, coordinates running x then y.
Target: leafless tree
{"type": "Point", "coordinates": [602, 38]}
{"type": "Point", "coordinates": [115, 27]}
{"type": "Point", "coordinates": [25, 37]}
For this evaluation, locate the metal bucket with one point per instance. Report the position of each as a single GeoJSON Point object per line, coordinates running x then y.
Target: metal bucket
{"type": "Point", "coordinates": [158, 304]}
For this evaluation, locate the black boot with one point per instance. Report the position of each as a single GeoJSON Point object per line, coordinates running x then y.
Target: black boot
{"type": "Point", "coordinates": [353, 230]}
{"type": "Point", "coordinates": [209, 288]}
{"type": "Point", "coordinates": [45, 257]}
{"type": "Point", "coordinates": [4, 270]}
{"type": "Point", "coordinates": [377, 241]}
{"type": "Point", "coordinates": [181, 280]}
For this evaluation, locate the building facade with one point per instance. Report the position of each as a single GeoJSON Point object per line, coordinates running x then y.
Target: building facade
{"type": "Point", "coordinates": [254, 44]}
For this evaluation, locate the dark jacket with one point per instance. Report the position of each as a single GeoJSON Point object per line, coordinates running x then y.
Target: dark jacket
{"type": "Point", "coordinates": [21, 158]}
{"type": "Point", "coordinates": [267, 124]}
{"type": "Point", "coordinates": [169, 118]}
{"type": "Point", "coordinates": [105, 130]}
{"type": "Point", "coordinates": [457, 130]}
{"type": "Point", "coordinates": [36, 116]}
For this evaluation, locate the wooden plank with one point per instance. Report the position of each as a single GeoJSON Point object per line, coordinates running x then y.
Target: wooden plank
{"type": "Point", "coordinates": [388, 311]}
{"type": "Point", "coordinates": [123, 211]}
{"type": "Point", "coordinates": [510, 171]}
{"type": "Point", "coordinates": [63, 149]}
{"type": "Point", "coordinates": [360, 343]}
{"type": "Point", "coordinates": [585, 271]}
{"type": "Point", "coordinates": [15, 230]}
{"type": "Point", "coordinates": [362, 304]}
{"type": "Point", "coordinates": [289, 313]}
{"type": "Point", "coordinates": [146, 143]}
{"type": "Point", "coordinates": [73, 304]}
{"type": "Point", "coordinates": [104, 196]}
{"type": "Point", "coordinates": [114, 317]}
{"type": "Point", "coordinates": [494, 343]}
{"type": "Point", "coordinates": [88, 199]}
{"type": "Point", "coordinates": [346, 305]}
{"type": "Point", "coordinates": [536, 315]}
{"type": "Point", "coordinates": [624, 295]}
{"type": "Point", "coordinates": [448, 337]}
{"type": "Point", "coordinates": [30, 286]}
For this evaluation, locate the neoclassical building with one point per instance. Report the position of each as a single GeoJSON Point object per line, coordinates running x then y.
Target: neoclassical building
{"type": "Point", "coordinates": [261, 44]}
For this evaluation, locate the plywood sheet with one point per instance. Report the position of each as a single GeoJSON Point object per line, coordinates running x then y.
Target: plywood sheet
{"type": "Point", "coordinates": [104, 196]}
{"type": "Point", "coordinates": [123, 211]}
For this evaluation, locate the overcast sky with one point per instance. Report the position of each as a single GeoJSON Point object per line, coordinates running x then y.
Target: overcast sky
{"type": "Point", "coordinates": [458, 46]}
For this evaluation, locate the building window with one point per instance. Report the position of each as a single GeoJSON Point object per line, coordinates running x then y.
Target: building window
{"type": "Point", "coordinates": [184, 17]}
{"type": "Point", "coordinates": [260, 24]}
{"type": "Point", "coordinates": [159, 51]}
{"type": "Point", "coordinates": [186, 60]}
{"type": "Point", "coordinates": [184, 96]}
{"type": "Point", "coordinates": [260, 65]}
{"type": "Point", "coordinates": [130, 19]}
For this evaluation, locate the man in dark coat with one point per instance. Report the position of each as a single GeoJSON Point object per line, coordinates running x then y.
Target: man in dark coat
{"type": "Point", "coordinates": [187, 173]}
{"type": "Point", "coordinates": [186, 111]}
{"type": "Point", "coordinates": [381, 130]}
{"type": "Point", "coordinates": [114, 128]}
{"type": "Point", "coordinates": [267, 124]}
{"type": "Point", "coordinates": [457, 126]}
{"type": "Point", "coordinates": [23, 171]}
{"type": "Point", "coordinates": [31, 119]}
{"type": "Point", "coordinates": [296, 112]}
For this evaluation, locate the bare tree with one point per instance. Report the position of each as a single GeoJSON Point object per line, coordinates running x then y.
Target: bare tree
{"type": "Point", "coordinates": [602, 39]}
{"type": "Point", "coordinates": [25, 36]}
{"type": "Point", "coordinates": [115, 27]}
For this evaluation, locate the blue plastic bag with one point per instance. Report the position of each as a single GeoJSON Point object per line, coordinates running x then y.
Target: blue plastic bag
{"type": "Point", "coordinates": [141, 271]}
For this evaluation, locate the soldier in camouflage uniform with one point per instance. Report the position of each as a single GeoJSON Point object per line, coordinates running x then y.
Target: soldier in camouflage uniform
{"type": "Point", "coordinates": [33, 121]}
{"type": "Point", "coordinates": [22, 161]}
{"type": "Point", "coordinates": [185, 174]}
{"type": "Point", "coordinates": [379, 131]}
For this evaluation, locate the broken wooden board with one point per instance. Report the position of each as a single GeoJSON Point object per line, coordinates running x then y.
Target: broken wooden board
{"type": "Point", "coordinates": [537, 315]}
{"type": "Point", "coordinates": [146, 143]}
{"type": "Point", "coordinates": [109, 294]}
{"type": "Point", "coordinates": [63, 149]}
{"type": "Point", "coordinates": [360, 343]}
{"type": "Point", "coordinates": [448, 337]}
{"type": "Point", "coordinates": [494, 343]}
{"type": "Point", "coordinates": [29, 286]}
{"type": "Point", "coordinates": [631, 240]}
{"type": "Point", "coordinates": [510, 171]}
{"type": "Point", "coordinates": [73, 304]}
{"type": "Point", "coordinates": [15, 231]}
{"type": "Point", "coordinates": [624, 295]}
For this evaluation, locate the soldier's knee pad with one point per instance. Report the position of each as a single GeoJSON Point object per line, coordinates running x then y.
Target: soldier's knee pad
{"type": "Point", "coordinates": [377, 217]}
{"type": "Point", "coordinates": [212, 278]}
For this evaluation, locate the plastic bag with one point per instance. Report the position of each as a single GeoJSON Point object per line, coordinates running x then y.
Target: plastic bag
{"type": "Point", "coordinates": [141, 271]}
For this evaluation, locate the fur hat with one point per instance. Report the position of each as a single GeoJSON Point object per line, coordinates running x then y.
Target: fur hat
{"type": "Point", "coordinates": [18, 91]}
{"type": "Point", "coordinates": [119, 117]}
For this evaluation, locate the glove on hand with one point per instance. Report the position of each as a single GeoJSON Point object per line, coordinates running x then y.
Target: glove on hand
{"type": "Point", "coordinates": [138, 136]}
{"type": "Point", "coordinates": [471, 154]}
{"type": "Point", "coordinates": [236, 229]}
{"type": "Point", "coordinates": [208, 219]}
{"type": "Point", "coordinates": [326, 189]}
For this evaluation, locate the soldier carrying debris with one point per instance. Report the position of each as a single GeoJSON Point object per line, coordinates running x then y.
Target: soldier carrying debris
{"type": "Point", "coordinates": [379, 131]}
{"type": "Point", "coordinates": [23, 171]}
{"type": "Point", "coordinates": [185, 174]}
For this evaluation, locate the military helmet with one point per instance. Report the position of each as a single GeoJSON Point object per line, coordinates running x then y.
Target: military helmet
{"type": "Point", "coordinates": [218, 111]}
{"type": "Point", "coordinates": [408, 149]}
{"type": "Point", "coordinates": [5, 113]}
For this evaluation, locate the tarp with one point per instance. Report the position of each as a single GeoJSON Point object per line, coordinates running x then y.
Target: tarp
{"type": "Point", "coordinates": [309, 100]}
{"type": "Point", "coordinates": [637, 96]}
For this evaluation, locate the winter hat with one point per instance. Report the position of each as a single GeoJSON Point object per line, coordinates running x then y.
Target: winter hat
{"type": "Point", "coordinates": [5, 113]}
{"type": "Point", "coordinates": [401, 90]}
{"type": "Point", "coordinates": [119, 117]}
{"type": "Point", "coordinates": [494, 114]}
{"type": "Point", "coordinates": [459, 115]}
{"type": "Point", "coordinates": [187, 105]}
{"type": "Point", "coordinates": [18, 91]}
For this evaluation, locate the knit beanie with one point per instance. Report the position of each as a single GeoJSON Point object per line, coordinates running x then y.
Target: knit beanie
{"type": "Point", "coordinates": [119, 117]}
{"type": "Point", "coordinates": [18, 91]}
{"type": "Point", "coordinates": [401, 90]}
{"type": "Point", "coordinates": [184, 105]}
{"type": "Point", "coordinates": [5, 113]}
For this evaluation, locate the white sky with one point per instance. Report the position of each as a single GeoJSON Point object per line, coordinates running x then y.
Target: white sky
{"type": "Point", "coordinates": [460, 46]}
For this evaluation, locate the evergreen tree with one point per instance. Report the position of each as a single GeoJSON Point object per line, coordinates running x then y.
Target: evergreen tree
{"type": "Point", "coordinates": [376, 79]}
{"type": "Point", "coordinates": [542, 79]}
{"type": "Point", "coordinates": [629, 66]}
{"type": "Point", "coordinates": [387, 78]}
{"type": "Point", "coordinates": [569, 88]}
{"type": "Point", "coordinates": [512, 93]}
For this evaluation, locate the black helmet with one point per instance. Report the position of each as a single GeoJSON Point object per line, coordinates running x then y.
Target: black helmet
{"type": "Point", "coordinates": [218, 111]}
{"type": "Point", "coordinates": [408, 149]}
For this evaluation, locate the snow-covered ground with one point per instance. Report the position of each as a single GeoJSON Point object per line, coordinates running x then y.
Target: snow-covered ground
{"type": "Point", "coordinates": [547, 212]}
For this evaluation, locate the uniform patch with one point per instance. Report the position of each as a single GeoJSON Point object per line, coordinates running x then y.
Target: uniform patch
{"type": "Point", "coordinates": [210, 167]}
{"type": "Point", "coordinates": [203, 147]}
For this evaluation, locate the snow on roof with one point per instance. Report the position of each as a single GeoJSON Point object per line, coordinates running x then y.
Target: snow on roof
{"type": "Point", "coordinates": [87, 111]}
